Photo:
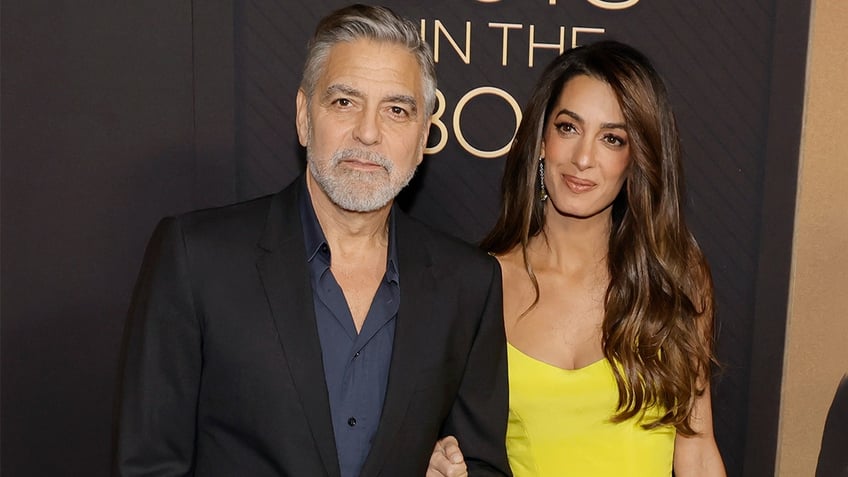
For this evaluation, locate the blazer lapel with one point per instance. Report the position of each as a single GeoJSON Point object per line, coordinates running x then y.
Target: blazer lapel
{"type": "Point", "coordinates": [417, 294]}
{"type": "Point", "coordinates": [285, 277]}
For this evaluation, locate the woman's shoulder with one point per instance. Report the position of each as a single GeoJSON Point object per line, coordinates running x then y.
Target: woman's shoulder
{"type": "Point", "coordinates": [510, 260]}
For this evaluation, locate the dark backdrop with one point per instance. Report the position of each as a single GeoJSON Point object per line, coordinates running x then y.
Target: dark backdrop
{"type": "Point", "coordinates": [115, 113]}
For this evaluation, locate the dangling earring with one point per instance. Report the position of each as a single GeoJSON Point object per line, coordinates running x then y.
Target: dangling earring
{"type": "Point", "coordinates": [543, 193]}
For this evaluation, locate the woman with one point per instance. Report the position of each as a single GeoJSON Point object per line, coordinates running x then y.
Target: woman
{"type": "Point", "coordinates": [608, 300]}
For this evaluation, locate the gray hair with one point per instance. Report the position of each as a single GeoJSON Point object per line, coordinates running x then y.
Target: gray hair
{"type": "Point", "coordinates": [376, 23]}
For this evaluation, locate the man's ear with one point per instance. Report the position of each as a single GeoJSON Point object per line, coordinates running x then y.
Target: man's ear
{"type": "Point", "coordinates": [424, 136]}
{"type": "Point", "coordinates": [302, 118]}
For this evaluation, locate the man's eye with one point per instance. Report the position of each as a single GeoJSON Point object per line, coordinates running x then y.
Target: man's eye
{"type": "Point", "coordinates": [344, 102]}
{"type": "Point", "coordinates": [398, 111]}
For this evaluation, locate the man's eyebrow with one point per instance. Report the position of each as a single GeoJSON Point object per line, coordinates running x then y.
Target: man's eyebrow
{"type": "Point", "coordinates": [347, 90]}
{"type": "Point", "coordinates": [341, 89]}
{"type": "Point", "coordinates": [580, 120]}
{"type": "Point", "coordinates": [403, 99]}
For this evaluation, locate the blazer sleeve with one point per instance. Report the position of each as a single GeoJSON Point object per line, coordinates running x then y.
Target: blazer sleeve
{"type": "Point", "coordinates": [162, 364]}
{"type": "Point", "coordinates": [480, 412]}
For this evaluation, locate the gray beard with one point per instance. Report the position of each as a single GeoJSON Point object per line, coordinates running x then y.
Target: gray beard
{"type": "Point", "coordinates": [354, 190]}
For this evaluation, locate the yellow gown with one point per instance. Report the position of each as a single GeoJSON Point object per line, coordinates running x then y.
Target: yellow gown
{"type": "Point", "coordinates": [559, 425]}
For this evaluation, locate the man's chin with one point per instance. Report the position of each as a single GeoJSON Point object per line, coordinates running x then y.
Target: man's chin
{"type": "Point", "coordinates": [362, 200]}
{"type": "Point", "coordinates": [362, 206]}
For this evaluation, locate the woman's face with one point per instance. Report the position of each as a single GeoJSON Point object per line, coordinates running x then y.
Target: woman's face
{"type": "Point", "coordinates": [586, 149]}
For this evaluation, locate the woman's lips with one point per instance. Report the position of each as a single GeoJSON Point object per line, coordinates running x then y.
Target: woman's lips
{"type": "Point", "coordinates": [577, 185]}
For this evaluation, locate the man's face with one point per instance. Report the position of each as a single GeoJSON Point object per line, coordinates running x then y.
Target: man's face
{"type": "Point", "coordinates": [364, 129]}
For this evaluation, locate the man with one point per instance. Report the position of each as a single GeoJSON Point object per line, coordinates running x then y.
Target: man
{"type": "Point", "coordinates": [320, 331]}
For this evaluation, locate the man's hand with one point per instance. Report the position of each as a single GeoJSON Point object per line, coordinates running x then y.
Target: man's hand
{"type": "Point", "coordinates": [447, 460]}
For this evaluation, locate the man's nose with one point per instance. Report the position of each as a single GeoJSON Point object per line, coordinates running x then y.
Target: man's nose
{"type": "Point", "coordinates": [367, 130]}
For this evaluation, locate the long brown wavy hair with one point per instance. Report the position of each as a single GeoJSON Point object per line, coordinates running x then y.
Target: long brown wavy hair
{"type": "Point", "coordinates": [658, 318]}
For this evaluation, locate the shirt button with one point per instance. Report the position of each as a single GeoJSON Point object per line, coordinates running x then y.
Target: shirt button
{"type": "Point", "coordinates": [351, 422]}
{"type": "Point", "coordinates": [356, 355]}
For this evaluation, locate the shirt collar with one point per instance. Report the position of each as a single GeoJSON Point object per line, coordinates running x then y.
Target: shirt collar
{"type": "Point", "coordinates": [316, 242]}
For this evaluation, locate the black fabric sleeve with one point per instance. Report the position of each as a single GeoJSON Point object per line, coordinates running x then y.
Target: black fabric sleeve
{"type": "Point", "coordinates": [162, 364]}
{"type": "Point", "coordinates": [479, 414]}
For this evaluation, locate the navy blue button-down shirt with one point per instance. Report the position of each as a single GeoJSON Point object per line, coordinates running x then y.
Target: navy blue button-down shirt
{"type": "Point", "coordinates": [356, 365]}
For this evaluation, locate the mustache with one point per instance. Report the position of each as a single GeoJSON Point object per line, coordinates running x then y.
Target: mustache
{"type": "Point", "coordinates": [362, 155]}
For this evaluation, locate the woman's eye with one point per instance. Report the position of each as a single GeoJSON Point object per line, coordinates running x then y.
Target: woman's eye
{"type": "Point", "coordinates": [566, 128]}
{"type": "Point", "coordinates": [613, 140]}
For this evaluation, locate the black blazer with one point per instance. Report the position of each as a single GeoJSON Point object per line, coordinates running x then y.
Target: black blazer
{"type": "Point", "coordinates": [223, 373]}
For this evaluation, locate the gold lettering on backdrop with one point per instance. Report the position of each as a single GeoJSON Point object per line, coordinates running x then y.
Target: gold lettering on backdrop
{"type": "Point", "coordinates": [464, 51]}
{"type": "Point", "coordinates": [440, 125]}
{"type": "Point", "coordinates": [544, 40]}
{"type": "Point", "coordinates": [598, 3]}
{"type": "Point", "coordinates": [577, 30]}
{"type": "Point", "coordinates": [545, 46]}
{"type": "Point", "coordinates": [457, 123]}
{"type": "Point", "coordinates": [439, 30]}
{"type": "Point", "coordinates": [505, 43]}
{"type": "Point", "coordinates": [613, 5]}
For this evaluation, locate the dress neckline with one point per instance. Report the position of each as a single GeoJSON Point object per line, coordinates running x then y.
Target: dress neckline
{"type": "Point", "coordinates": [553, 366]}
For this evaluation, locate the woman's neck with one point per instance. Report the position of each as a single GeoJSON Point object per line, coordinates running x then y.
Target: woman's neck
{"type": "Point", "coordinates": [568, 243]}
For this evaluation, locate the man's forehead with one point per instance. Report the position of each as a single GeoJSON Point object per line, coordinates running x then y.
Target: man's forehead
{"type": "Point", "coordinates": [364, 64]}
